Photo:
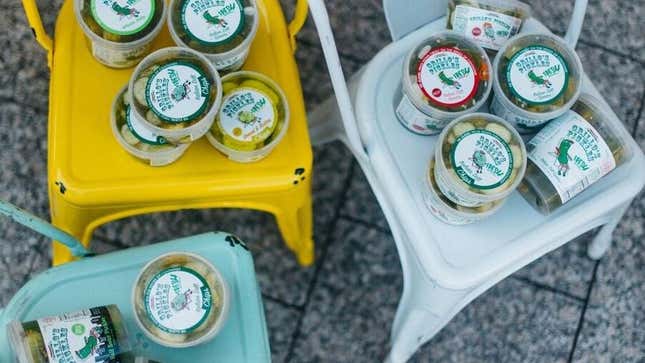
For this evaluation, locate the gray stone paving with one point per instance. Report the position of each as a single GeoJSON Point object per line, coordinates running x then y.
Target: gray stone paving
{"type": "Point", "coordinates": [563, 307]}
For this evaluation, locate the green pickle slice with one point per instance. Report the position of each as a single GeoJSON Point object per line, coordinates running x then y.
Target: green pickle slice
{"type": "Point", "coordinates": [122, 22]}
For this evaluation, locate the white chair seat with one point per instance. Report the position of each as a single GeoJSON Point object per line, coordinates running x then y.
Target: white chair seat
{"type": "Point", "coordinates": [459, 257]}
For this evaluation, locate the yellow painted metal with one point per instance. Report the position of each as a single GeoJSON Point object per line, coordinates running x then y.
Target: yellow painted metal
{"type": "Point", "coordinates": [92, 181]}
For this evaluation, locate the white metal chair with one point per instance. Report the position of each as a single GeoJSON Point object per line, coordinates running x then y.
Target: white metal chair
{"type": "Point", "coordinates": [446, 267]}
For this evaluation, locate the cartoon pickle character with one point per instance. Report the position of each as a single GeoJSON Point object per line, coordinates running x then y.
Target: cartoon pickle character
{"type": "Point", "coordinates": [180, 92]}
{"type": "Point", "coordinates": [479, 160]}
{"type": "Point", "coordinates": [540, 81]}
{"type": "Point", "coordinates": [562, 156]}
{"type": "Point", "coordinates": [448, 81]}
{"type": "Point", "coordinates": [214, 20]}
{"type": "Point", "coordinates": [180, 302]}
{"type": "Point", "coordinates": [124, 11]}
{"type": "Point", "coordinates": [246, 117]}
{"type": "Point", "coordinates": [489, 31]}
{"type": "Point", "coordinates": [91, 343]}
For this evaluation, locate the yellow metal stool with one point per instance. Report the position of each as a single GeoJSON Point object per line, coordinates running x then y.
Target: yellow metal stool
{"type": "Point", "coordinates": [92, 181]}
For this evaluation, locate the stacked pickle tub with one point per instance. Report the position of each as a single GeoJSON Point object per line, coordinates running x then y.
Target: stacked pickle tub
{"type": "Point", "coordinates": [479, 161]}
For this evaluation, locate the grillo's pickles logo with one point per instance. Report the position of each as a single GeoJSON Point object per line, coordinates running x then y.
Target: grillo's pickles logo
{"type": "Point", "coordinates": [529, 63]}
{"type": "Point", "coordinates": [126, 10]}
{"type": "Point", "coordinates": [587, 140]}
{"type": "Point", "coordinates": [480, 157]}
{"type": "Point", "coordinates": [440, 65]}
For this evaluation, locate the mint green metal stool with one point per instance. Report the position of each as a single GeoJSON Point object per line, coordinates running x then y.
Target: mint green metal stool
{"type": "Point", "coordinates": [108, 279]}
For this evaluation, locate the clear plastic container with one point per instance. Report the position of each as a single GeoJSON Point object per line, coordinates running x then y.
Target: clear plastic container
{"type": "Point", "coordinates": [135, 139]}
{"type": "Point", "coordinates": [75, 334]}
{"type": "Point", "coordinates": [490, 23]}
{"type": "Point", "coordinates": [176, 93]}
{"type": "Point", "coordinates": [180, 300]}
{"type": "Point", "coordinates": [449, 212]}
{"type": "Point", "coordinates": [444, 77]}
{"type": "Point", "coordinates": [253, 119]}
{"type": "Point", "coordinates": [221, 30]}
{"type": "Point", "coordinates": [538, 77]}
{"type": "Point", "coordinates": [571, 153]}
{"type": "Point", "coordinates": [119, 36]}
{"type": "Point", "coordinates": [480, 159]}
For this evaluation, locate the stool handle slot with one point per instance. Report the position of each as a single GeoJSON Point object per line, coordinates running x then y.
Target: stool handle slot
{"type": "Point", "coordinates": [298, 21]}
{"type": "Point", "coordinates": [36, 24]}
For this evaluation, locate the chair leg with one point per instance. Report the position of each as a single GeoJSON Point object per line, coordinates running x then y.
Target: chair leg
{"type": "Point", "coordinates": [75, 223]}
{"type": "Point", "coordinates": [601, 242]}
{"type": "Point", "coordinates": [325, 122]}
{"type": "Point", "coordinates": [296, 226]}
{"type": "Point", "coordinates": [424, 309]}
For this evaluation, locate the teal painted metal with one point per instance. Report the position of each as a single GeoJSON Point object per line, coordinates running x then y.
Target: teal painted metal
{"type": "Point", "coordinates": [43, 227]}
{"type": "Point", "coordinates": [108, 279]}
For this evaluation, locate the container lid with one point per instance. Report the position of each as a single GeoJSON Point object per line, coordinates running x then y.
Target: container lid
{"type": "Point", "coordinates": [444, 73]}
{"type": "Point", "coordinates": [212, 23]}
{"type": "Point", "coordinates": [538, 72]}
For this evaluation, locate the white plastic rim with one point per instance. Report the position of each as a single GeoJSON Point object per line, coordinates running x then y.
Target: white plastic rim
{"type": "Point", "coordinates": [514, 113]}
{"type": "Point", "coordinates": [454, 188]}
{"type": "Point", "coordinates": [259, 154]}
{"type": "Point", "coordinates": [446, 212]}
{"type": "Point", "coordinates": [413, 93]}
{"type": "Point", "coordinates": [198, 129]}
{"type": "Point", "coordinates": [16, 335]}
{"type": "Point", "coordinates": [136, 50]}
{"type": "Point", "coordinates": [231, 60]}
{"type": "Point", "coordinates": [214, 330]}
{"type": "Point", "coordinates": [160, 158]}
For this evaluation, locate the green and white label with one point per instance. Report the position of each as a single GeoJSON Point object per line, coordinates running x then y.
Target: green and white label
{"type": "Point", "coordinates": [248, 115]}
{"type": "Point", "coordinates": [571, 153]}
{"type": "Point", "coordinates": [537, 75]}
{"type": "Point", "coordinates": [481, 159]}
{"type": "Point", "coordinates": [178, 92]}
{"type": "Point", "coordinates": [488, 28]}
{"type": "Point", "coordinates": [212, 22]}
{"type": "Point", "coordinates": [86, 336]}
{"type": "Point", "coordinates": [447, 76]}
{"type": "Point", "coordinates": [138, 129]}
{"type": "Point", "coordinates": [178, 300]}
{"type": "Point", "coordinates": [123, 17]}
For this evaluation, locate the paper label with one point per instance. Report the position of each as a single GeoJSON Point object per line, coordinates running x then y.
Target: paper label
{"type": "Point", "coordinates": [86, 336]}
{"type": "Point", "coordinates": [572, 154]}
{"type": "Point", "coordinates": [178, 300]}
{"type": "Point", "coordinates": [212, 22]}
{"type": "Point", "coordinates": [178, 92]}
{"type": "Point", "coordinates": [447, 76]}
{"type": "Point", "coordinates": [415, 120]}
{"type": "Point", "coordinates": [248, 115]}
{"type": "Point", "coordinates": [488, 28]}
{"type": "Point", "coordinates": [122, 17]}
{"type": "Point", "coordinates": [537, 75]}
{"type": "Point", "coordinates": [481, 159]}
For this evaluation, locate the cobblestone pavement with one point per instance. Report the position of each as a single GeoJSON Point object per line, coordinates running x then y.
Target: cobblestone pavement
{"type": "Point", "coordinates": [563, 307]}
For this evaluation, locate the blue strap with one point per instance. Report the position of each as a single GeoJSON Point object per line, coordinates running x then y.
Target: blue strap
{"type": "Point", "coordinates": [42, 227]}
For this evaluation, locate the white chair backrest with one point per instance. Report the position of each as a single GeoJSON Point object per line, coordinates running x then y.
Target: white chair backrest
{"type": "Point", "coordinates": [404, 16]}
